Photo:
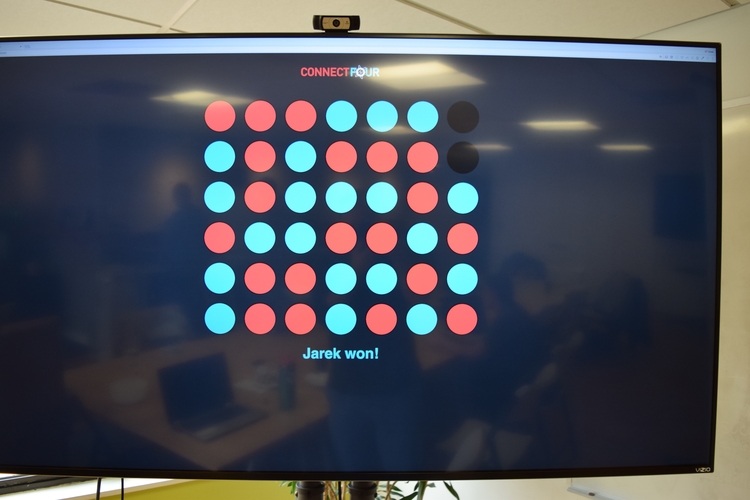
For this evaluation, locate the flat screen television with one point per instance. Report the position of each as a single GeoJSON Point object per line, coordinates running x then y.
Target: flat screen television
{"type": "Point", "coordinates": [369, 257]}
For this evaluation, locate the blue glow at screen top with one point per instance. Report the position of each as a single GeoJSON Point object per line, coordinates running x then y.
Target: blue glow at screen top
{"type": "Point", "coordinates": [292, 45]}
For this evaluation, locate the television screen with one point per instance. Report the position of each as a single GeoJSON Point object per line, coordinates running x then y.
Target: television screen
{"type": "Point", "coordinates": [305, 257]}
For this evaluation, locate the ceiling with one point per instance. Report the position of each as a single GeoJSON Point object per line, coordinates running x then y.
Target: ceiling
{"type": "Point", "coordinates": [583, 18]}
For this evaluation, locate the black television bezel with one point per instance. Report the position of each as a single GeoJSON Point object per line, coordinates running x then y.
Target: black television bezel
{"type": "Point", "coordinates": [421, 475]}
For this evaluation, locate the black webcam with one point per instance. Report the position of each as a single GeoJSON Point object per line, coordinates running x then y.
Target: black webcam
{"type": "Point", "coordinates": [336, 23]}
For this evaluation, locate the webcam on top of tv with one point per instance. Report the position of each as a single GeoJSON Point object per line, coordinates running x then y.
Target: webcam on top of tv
{"type": "Point", "coordinates": [336, 24]}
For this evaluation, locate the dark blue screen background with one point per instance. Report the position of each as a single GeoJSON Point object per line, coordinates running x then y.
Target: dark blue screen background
{"type": "Point", "coordinates": [594, 344]}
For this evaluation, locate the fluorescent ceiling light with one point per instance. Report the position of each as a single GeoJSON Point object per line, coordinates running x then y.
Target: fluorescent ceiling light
{"type": "Point", "coordinates": [427, 75]}
{"type": "Point", "coordinates": [625, 147]}
{"type": "Point", "coordinates": [398, 129]}
{"type": "Point", "coordinates": [561, 125]}
{"type": "Point", "coordinates": [492, 147]}
{"type": "Point", "coordinates": [200, 98]}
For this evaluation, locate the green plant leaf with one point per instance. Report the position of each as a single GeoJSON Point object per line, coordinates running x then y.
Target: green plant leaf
{"type": "Point", "coordinates": [292, 485]}
{"type": "Point", "coordinates": [422, 487]}
{"type": "Point", "coordinates": [396, 492]}
{"type": "Point", "coordinates": [452, 490]}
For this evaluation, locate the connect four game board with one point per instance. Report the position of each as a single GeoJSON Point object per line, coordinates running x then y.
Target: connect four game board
{"type": "Point", "coordinates": [328, 175]}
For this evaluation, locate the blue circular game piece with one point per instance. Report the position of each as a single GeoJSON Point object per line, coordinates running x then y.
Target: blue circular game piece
{"type": "Point", "coordinates": [422, 238]}
{"type": "Point", "coordinates": [421, 319]}
{"type": "Point", "coordinates": [300, 237]}
{"type": "Point", "coordinates": [219, 318]}
{"type": "Point", "coordinates": [462, 279]}
{"type": "Point", "coordinates": [341, 319]}
{"type": "Point", "coordinates": [422, 116]}
{"type": "Point", "coordinates": [341, 197]}
{"type": "Point", "coordinates": [382, 116]}
{"type": "Point", "coordinates": [219, 278]}
{"type": "Point", "coordinates": [382, 197]}
{"type": "Point", "coordinates": [341, 278]}
{"type": "Point", "coordinates": [219, 156]}
{"type": "Point", "coordinates": [259, 237]}
{"type": "Point", "coordinates": [381, 279]}
{"type": "Point", "coordinates": [341, 116]}
{"type": "Point", "coordinates": [219, 197]}
{"type": "Point", "coordinates": [463, 198]}
{"type": "Point", "coordinates": [300, 197]}
{"type": "Point", "coordinates": [300, 156]}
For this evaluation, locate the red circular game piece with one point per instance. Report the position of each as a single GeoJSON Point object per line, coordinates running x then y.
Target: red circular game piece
{"type": "Point", "coordinates": [462, 319]}
{"type": "Point", "coordinates": [260, 197]}
{"type": "Point", "coordinates": [260, 319]}
{"type": "Point", "coordinates": [260, 156]}
{"type": "Point", "coordinates": [300, 319]}
{"type": "Point", "coordinates": [260, 278]}
{"type": "Point", "coordinates": [422, 197]}
{"type": "Point", "coordinates": [260, 116]}
{"type": "Point", "coordinates": [422, 157]}
{"type": "Point", "coordinates": [382, 157]}
{"type": "Point", "coordinates": [219, 237]}
{"type": "Point", "coordinates": [219, 116]}
{"type": "Point", "coordinates": [381, 238]}
{"type": "Point", "coordinates": [462, 238]}
{"type": "Point", "coordinates": [341, 156]}
{"type": "Point", "coordinates": [299, 278]}
{"type": "Point", "coordinates": [300, 116]}
{"type": "Point", "coordinates": [381, 319]}
{"type": "Point", "coordinates": [421, 279]}
{"type": "Point", "coordinates": [341, 238]}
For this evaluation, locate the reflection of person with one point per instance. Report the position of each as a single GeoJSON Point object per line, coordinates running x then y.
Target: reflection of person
{"type": "Point", "coordinates": [181, 256]}
{"type": "Point", "coordinates": [538, 341]}
{"type": "Point", "coordinates": [494, 388]}
{"type": "Point", "coordinates": [373, 419]}
{"type": "Point", "coordinates": [518, 342]}
{"type": "Point", "coordinates": [621, 310]}
{"type": "Point", "coordinates": [373, 409]}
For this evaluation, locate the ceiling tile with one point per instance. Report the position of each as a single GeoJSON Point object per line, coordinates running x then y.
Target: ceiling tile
{"type": "Point", "coordinates": [380, 16]}
{"type": "Point", "coordinates": [40, 18]}
{"type": "Point", "coordinates": [580, 18]}
{"type": "Point", "coordinates": [158, 12]}
{"type": "Point", "coordinates": [599, 18]}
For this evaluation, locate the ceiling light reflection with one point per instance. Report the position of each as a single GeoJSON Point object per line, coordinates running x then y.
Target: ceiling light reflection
{"type": "Point", "coordinates": [626, 148]}
{"type": "Point", "coordinates": [560, 125]}
{"type": "Point", "coordinates": [398, 129]}
{"type": "Point", "coordinates": [426, 75]}
{"type": "Point", "coordinates": [200, 98]}
{"type": "Point", "coordinates": [492, 147]}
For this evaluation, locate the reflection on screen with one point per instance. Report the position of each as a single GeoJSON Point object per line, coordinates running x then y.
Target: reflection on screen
{"type": "Point", "coordinates": [438, 263]}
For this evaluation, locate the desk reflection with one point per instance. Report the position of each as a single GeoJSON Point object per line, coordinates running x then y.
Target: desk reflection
{"type": "Point", "coordinates": [126, 391]}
